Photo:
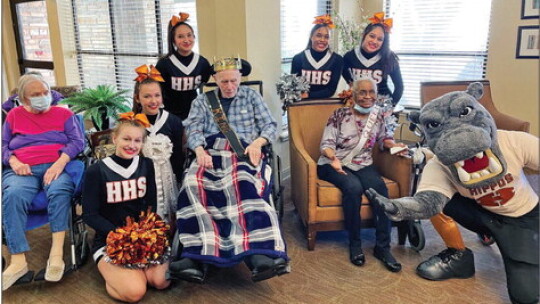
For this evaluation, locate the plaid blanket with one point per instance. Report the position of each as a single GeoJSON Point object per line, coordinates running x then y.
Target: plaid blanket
{"type": "Point", "coordinates": [224, 213]}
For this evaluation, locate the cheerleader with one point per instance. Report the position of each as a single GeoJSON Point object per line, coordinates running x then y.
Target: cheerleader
{"type": "Point", "coordinates": [117, 187]}
{"type": "Point", "coordinates": [374, 59]}
{"type": "Point", "coordinates": [317, 63]}
{"type": "Point", "coordinates": [182, 69]}
{"type": "Point", "coordinates": [164, 141]}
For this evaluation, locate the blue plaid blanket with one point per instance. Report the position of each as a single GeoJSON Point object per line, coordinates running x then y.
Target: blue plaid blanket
{"type": "Point", "coordinates": [224, 213]}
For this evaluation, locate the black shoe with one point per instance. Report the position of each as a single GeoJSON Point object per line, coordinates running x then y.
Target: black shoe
{"type": "Point", "coordinates": [450, 263]}
{"type": "Point", "coordinates": [187, 270]}
{"type": "Point", "coordinates": [264, 267]}
{"type": "Point", "coordinates": [388, 259]}
{"type": "Point", "coordinates": [356, 255]}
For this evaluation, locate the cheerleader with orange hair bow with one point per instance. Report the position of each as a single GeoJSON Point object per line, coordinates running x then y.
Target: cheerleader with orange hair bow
{"type": "Point", "coordinates": [317, 63]}
{"type": "Point", "coordinates": [374, 59]}
{"type": "Point", "coordinates": [164, 142]}
{"type": "Point", "coordinates": [182, 69]}
{"type": "Point", "coordinates": [116, 191]}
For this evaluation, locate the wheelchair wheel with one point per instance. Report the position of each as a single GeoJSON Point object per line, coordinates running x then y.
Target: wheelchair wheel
{"type": "Point", "coordinates": [417, 239]}
{"type": "Point", "coordinates": [82, 250]}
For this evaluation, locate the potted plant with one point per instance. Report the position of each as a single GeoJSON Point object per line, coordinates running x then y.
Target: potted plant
{"type": "Point", "coordinates": [99, 104]}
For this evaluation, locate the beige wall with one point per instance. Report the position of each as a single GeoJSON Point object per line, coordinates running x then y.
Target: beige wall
{"type": "Point", "coordinates": [222, 27]}
{"type": "Point", "coordinates": [10, 70]}
{"type": "Point", "coordinates": [514, 82]}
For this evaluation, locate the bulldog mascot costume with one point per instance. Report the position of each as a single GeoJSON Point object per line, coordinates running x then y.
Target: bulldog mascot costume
{"type": "Point", "coordinates": [476, 178]}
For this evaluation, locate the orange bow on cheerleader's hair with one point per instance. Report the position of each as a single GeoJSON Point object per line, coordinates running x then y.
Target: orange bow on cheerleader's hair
{"type": "Point", "coordinates": [145, 72]}
{"type": "Point", "coordinates": [378, 18]}
{"type": "Point", "coordinates": [175, 19]}
{"type": "Point", "coordinates": [139, 118]}
{"type": "Point", "coordinates": [324, 19]}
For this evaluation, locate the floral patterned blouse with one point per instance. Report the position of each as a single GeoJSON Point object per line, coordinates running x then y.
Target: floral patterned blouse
{"type": "Point", "coordinates": [342, 134]}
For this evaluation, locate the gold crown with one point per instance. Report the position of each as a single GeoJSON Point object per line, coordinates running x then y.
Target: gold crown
{"type": "Point", "coordinates": [227, 63]}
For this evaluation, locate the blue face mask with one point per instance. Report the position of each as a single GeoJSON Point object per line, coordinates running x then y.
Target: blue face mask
{"type": "Point", "coordinates": [362, 110]}
{"type": "Point", "coordinates": [41, 103]}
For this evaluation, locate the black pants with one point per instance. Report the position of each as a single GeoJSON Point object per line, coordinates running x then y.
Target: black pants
{"type": "Point", "coordinates": [517, 239]}
{"type": "Point", "coordinates": [352, 187]}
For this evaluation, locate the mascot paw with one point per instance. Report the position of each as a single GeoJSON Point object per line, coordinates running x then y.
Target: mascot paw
{"type": "Point", "coordinates": [389, 208]}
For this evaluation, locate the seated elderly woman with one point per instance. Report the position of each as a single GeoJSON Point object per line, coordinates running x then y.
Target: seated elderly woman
{"type": "Point", "coordinates": [14, 100]}
{"type": "Point", "coordinates": [223, 215]}
{"type": "Point", "coordinates": [37, 142]}
{"type": "Point", "coordinates": [346, 161]}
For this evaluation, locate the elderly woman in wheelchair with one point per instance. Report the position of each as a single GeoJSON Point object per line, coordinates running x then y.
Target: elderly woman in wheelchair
{"type": "Point", "coordinates": [38, 140]}
{"type": "Point", "coordinates": [223, 215]}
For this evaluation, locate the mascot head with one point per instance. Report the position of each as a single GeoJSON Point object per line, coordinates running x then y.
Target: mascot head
{"type": "Point", "coordinates": [463, 135]}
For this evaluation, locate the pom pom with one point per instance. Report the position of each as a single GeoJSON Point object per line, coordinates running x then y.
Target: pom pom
{"type": "Point", "coordinates": [290, 88]}
{"type": "Point", "coordinates": [346, 97]}
{"type": "Point", "coordinates": [390, 121]}
{"type": "Point", "coordinates": [139, 244]}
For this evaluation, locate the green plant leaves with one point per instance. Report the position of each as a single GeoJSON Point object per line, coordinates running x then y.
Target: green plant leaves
{"type": "Point", "coordinates": [103, 101]}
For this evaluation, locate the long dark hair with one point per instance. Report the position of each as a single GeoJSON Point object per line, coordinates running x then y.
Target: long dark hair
{"type": "Point", "coordinates": [313, 30]}
{"type": "Point", "coordinates": [387, 55]}
{"type": "Point", "coordinates": [171, 32]}
{"type": "Point", "coordinates": [137, 107]}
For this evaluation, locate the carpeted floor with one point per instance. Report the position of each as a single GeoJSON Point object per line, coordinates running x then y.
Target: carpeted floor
{"type": "Point", "coordinates": [324, 275]}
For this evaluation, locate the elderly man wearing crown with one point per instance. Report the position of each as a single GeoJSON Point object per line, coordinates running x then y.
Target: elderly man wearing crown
{"type": "Point", "coordinates": [223, 215]}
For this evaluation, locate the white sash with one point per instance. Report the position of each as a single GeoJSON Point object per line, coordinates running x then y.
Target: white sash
{"type": "Point", "coordinates": [158, 147]}
{"type": "Point", "coordinates": [372, 119]}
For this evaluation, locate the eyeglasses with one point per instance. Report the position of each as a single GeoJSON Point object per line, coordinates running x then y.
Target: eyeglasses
{"type": "Point", "coordinates": [364, 93]}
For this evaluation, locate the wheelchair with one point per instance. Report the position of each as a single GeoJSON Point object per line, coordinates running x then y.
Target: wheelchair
{"type": "Point", "coordinates": [79, 246]}
{"type": "Point", "coordinates": [274, 160]}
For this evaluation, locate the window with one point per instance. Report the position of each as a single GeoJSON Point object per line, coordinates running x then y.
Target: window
{"type": "Point", "coordinates": [439, 40]}
{"type": "Point", "coordinates": [32, 38]}
{"type": "Point", "coordinates": [113, 37]}
{"type": "Point", "coordinates": [296, 23]}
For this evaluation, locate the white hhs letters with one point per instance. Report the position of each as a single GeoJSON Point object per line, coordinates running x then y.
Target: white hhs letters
{"type": "Point", "coordinates": [317, 77]}
{"type": "Point", "coordinates": [120, 191]}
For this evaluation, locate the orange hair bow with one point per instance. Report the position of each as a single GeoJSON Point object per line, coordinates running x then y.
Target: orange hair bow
{"type": "Point", "coordinates": [139, 118]}
{"type": "Point", "coordinates": [175, 19]}
{"type": "Point", "coordinates": [324, 19]}
{"type": "Point", "coordinates": [145, 72]}
{"type": "Point", "coordinates": [378, 18]}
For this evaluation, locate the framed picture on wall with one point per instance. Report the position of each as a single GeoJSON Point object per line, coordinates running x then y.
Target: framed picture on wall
{"type": "Point", "coordinates": [528, 44]}
{"type": "Point", "coordinates": [530, 9]}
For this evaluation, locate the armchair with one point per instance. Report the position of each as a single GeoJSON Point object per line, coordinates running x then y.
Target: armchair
{"type": "Point", "coordinates": [318, 202]}
{"type": "Point", "coordinates": [433, 89]}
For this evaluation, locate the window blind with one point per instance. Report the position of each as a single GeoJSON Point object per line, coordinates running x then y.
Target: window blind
{"type": "Point", "coordinates": [438, 40]}
{"type": "Point", "coordinates": [111, 38]}
{"type": "Point", "coordinates": [296, 23]}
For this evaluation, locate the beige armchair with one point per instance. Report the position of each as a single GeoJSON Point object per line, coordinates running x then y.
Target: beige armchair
{"type": "Point", "coordinates": [318, 202]}
{"type": "Point", "coordinates": [433, 89]}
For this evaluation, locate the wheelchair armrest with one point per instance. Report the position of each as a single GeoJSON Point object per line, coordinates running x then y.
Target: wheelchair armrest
{"type": "Point", "coordinates": [75, 169]}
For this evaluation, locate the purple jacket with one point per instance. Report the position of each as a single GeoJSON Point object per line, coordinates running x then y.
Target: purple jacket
{"type": "Point", "coordinates": [13, 101]}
